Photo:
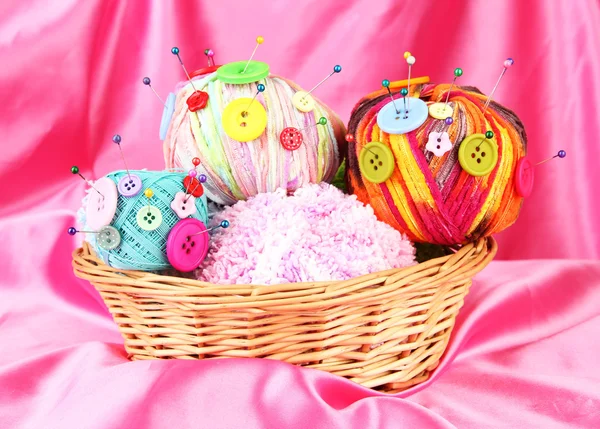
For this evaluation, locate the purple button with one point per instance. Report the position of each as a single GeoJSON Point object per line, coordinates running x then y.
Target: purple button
{"type": "Point", "coordinates": [187, 244]}
{"type": "Point", "coordinates": [130, 185]}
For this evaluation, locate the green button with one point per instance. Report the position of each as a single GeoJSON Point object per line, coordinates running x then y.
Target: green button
{"type": "Point", "coordinates": [477, 155]}
{"type": "Point", "coordinates": [232, 72]}
{"type": "Point", "coordinates": [376, 162]}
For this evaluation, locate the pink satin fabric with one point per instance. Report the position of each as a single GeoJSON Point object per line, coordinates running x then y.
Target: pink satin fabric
{"type": "Point", "coordinates": [524, 353]}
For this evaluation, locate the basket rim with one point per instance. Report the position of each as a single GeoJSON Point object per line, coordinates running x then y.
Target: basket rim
{"type": "Point", "coordinates": [463, 264]}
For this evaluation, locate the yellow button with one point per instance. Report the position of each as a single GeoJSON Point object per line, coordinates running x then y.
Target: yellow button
{"type": "Point", "coordinates": [244, 120]}
{"type": "Point", "coordinates": [376, 162]}
{"type": "Point", "coordinates": [477, 155]}
{"type": "Point", "coordinates": [303, 101]}
{"type": "Point", "coordinates": [440, 111]}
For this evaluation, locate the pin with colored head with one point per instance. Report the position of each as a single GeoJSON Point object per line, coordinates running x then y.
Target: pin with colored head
{"type": "Point", "coordinates": [224, 224]}
{"type": "Point", "coordinates": [507, 64]}
{"type": "Point", "coordinates": [303, 101]}
{"type": "Point", "coordinates": [442, 111]}
{"type": "Point", "coordinates": [488, 136]}
{"type": "Point", "coordinates": [210, 57]}
{"type": "Point", "coordinates": [336, 69]}
{"type": "Point", "coordinates": [386, 84]}
{"type": "Point", "coordinates": [259, 88]}
{"type": "Point", "coordinates": [149, 193]}
{"type": "Point", "coordinates": [404, 93]}
{"type": "Point", "coordinates": [75, 170]}
{"type": "Point", "coordinates": [117, 140]}
{"type": "Point", "coordinates": [108, 238]}
{"type": "Point", "coordinates": [148, 83]}
{"type": "Point", "coordinates": [196, 162]}
{"type": "Point", "coordinates": [175, 51]}
{"type": "Point", "coordinates": [131, 184]}
{"type": "Point", "coordinates": [321, 121]}
{"type": "Point", "coordinates": [259, 41]}
{"type": "Point", "coordinates": [560, 154]}
{"type": "Point", "coordinates": [410, 60]}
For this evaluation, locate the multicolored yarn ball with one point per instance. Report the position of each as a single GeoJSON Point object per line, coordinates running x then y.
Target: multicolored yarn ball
{"type": "Point", "coordinates": [432, 198]}
{"type": "Point", "coordinates": [140, 249]}
{"type": "Point", "coordinates": [238, 170]}
{"type": "Point", "coordinates": [317, 234]}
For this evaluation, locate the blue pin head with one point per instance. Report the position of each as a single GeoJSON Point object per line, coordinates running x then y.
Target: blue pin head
{"type": "Point", "coordinates": [260, 87]}
{"type": "Point", "coordinates": [337, 69]}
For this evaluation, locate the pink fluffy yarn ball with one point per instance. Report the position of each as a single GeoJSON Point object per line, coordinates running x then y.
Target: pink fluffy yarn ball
{"type": "Point", "coordinates": [317, 234]}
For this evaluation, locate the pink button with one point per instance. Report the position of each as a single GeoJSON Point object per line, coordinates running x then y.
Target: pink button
{"type": "Point", "coordinates": [182, 207]}
{"type": "Point", "coordinates": [187, 244]}
{"type": "Point", "coordinates": [524, 177]}
{"type": "Point", "coordinates": [101, 209]}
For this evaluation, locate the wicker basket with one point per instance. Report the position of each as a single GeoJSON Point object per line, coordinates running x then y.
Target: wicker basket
{"type": "Point", "coordinates": [385, 330]}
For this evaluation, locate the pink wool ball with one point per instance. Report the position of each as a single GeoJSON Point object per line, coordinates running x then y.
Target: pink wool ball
{"type": "Point", "coordinates": [318, 234]}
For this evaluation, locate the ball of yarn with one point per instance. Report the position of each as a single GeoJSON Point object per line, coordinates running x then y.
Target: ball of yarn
{"type": "Point", "coordinates": [238, 170]}
{"type": "Point", "coordinates": [317, 234]}
{"type": "Point", "coordinates": [140, 249]}
{"type": "Point", "coordinates": [431, 198]}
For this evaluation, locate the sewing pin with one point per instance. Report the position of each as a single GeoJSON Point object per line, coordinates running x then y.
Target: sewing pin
{"type": "Point", "coordinates": [210, 57]}
{"type": "Point", "coordinates": [386, 83]}
{"type": "Point", "coordinates": [260, 88]}
{"type": "Point", "coordinates": [73, 231]}
{"type": "Point", "coordinates": [117, 139]}
{"type": "Point", "coordinates": [259, 41]}
{"type": "Point", "coordinates": [75, 170]}
{"type": "Point", "coordinates": [224, 224]}
{"type": "Point", "coordinates": [147, 82]}
{"type": "Point", "coordinates": [336, 69]}
{"type": "Point", "coordinates": [404, 93]}
{"type": "Point", "coordinates": [560, 154]}
{"type": "Point", "coordinates": [321, 121]}
{"type": "Point", "coordinates": [410, 61]}
{"type": "Point", "coordinates": [175, 51]}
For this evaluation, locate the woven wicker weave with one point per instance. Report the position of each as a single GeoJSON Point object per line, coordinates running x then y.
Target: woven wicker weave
{"type": "Point", "coordinates": [385, 330]}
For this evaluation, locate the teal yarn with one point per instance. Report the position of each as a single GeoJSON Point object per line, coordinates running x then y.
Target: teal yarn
{"type": "Point", "coordinates": [140, 249]}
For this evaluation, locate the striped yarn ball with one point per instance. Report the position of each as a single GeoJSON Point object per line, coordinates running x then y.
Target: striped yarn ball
{"type": "Point", "coordinates": [432, 199]}
{"type": "Point", "coordinates": [140, 249]}
{"type": "Point", "coordinates": [238, 170]}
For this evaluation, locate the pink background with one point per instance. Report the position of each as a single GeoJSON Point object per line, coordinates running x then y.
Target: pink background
{"type": "Point", "coordinates": [524, 353]}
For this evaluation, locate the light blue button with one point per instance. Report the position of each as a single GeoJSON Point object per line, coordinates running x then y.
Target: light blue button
{"type": "Point", "coordinates": [167, 115]}
{"type": "Point", "coordinates": [404, 122]}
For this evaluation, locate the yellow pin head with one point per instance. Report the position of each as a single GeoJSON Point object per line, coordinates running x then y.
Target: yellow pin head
{"type": "Point", "coordinates": [260, 40]}
{"type": "Point", "coordinates": [406, 55]}
{"type": "Point", "coordinates": [148, 193]}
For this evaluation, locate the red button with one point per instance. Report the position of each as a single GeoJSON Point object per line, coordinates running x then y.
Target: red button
{"type": "Point", "coordinates": [203, 71]}
{"type": "Point", "coordinates": [291, 138]}
{"type": "Point", "coordinates": [193, 186]}
{"type": "Point", "coordinates": [197, 101]}
{"type": "Point", "coordinates": [524, 177]}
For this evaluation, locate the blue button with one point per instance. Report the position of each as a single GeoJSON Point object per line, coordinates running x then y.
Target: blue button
{"type": "Point", "coordinates": [405, 121]}
{"type": "Point", "coordinates": [167, 115]}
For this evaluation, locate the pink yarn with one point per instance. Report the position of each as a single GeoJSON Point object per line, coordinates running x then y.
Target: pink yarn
{"type": "Point", "coordinates": [317, 234]}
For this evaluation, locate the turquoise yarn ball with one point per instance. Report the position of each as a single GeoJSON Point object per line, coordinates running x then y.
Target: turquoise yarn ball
{"type": "Point", "coordinates": [140, 249]}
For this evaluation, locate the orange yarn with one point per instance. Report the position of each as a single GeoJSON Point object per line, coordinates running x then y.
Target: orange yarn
{"type": "Point", "coordinates": [430, 198]}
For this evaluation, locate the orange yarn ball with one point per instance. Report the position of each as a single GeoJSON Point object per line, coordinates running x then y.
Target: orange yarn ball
{"type": "Point", "coordinates": [433, 198]}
